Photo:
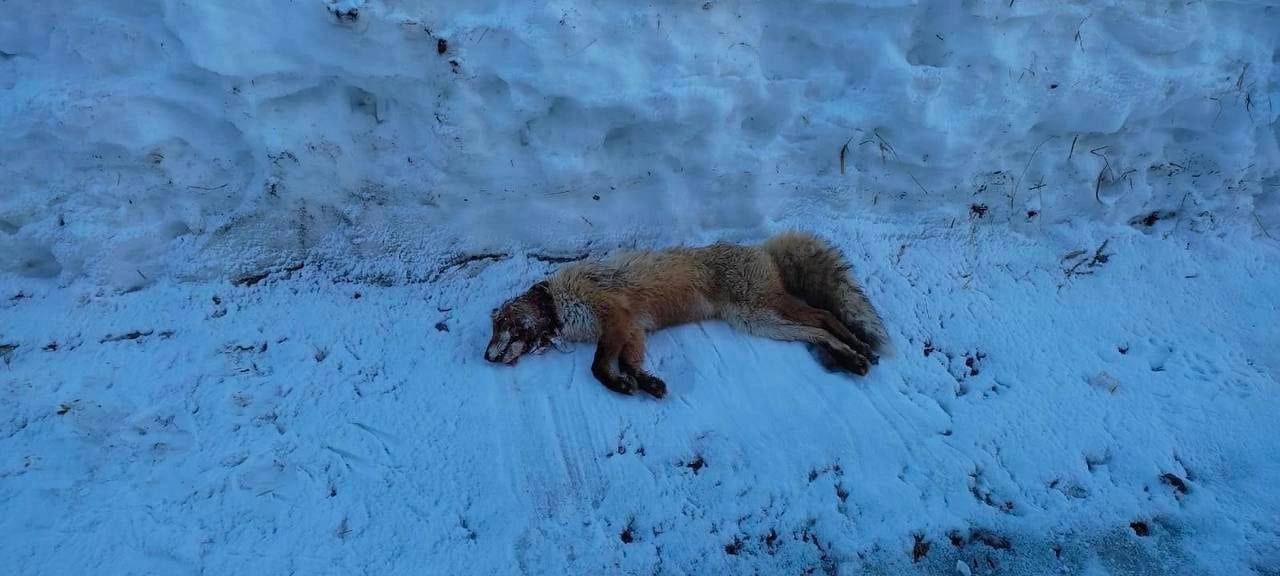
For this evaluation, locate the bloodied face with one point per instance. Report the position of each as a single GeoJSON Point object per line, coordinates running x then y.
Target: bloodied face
{"type": "Point", "coordinates": [523, 325]}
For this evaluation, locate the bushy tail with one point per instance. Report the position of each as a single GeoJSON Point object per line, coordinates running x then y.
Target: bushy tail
{"type": "Point", "coordinates": [816, 272]}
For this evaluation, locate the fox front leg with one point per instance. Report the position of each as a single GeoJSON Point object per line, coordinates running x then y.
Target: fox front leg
{"type": "Point", "coordinates": [607, 351]}
{"type": "Point", "coordinates": [632, 363]}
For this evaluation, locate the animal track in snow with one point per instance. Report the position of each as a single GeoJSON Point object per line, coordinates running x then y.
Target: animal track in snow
{"type": "Point", "coordinates": [1157, 354]}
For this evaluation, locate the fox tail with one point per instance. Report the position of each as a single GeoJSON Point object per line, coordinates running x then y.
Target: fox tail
{"type": "Point", "coordinates": [815, 271]}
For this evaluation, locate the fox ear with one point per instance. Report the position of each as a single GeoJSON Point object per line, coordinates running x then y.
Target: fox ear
{"type": "Point", "coordinates": [541, 297]}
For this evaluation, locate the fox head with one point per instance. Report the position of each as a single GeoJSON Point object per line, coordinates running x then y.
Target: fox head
{"type": "Point", "coordinates": [524, 324]}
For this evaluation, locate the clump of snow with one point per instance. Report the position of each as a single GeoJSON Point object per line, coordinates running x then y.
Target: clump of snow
{"type": "Point", "coordinates": [197, 139]}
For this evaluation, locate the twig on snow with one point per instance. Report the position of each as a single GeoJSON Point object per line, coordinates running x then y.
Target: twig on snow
{"type": "Point", "coordinates": [1018, 182]}
{"type": "Point", "coordinates": [1097, 184]}
{"type": "Point", "coordinates": [1261, 227]}
{"type": "Point", "coordinates": [207, 187]}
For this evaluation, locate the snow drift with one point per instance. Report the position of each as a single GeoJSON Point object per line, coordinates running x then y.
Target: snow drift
{"type": "Point", "coordinates": [151, 139]}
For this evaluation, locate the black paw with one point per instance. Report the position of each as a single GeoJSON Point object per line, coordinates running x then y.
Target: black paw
{"type": "Point", "coordinates": [652, 384]}
{"type": "Point", "coordinates": [846, 360]}
{"type": "Point", "coordinates": [646, 381]}
{"type": "Point", "coordinates": [856, 363]}
{"type": "Point", "coordinates": [622, 384]}
{"type": "Point", "coordinates": [860, 348]}
{"type": "Point", "coordinates": [855, 343]}
{"type": "Point", "coordinates": [824, 357]}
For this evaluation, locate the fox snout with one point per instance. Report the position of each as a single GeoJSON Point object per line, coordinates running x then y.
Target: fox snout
{"type": "Point", "coordinates": [503, 350]}
{"type": "Point", "coordinates": [523, 325]}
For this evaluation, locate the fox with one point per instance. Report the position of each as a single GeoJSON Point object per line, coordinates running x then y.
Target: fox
{"type": "Point", "coordinates": [794, 286]}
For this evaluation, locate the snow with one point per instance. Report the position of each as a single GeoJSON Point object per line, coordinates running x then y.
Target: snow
{"type": "Point", "coordinates": [305, 426]}
{"type": "Point", "coordinates": [196, 140]}
{"type": "Point", "coordinates": [247, 252]}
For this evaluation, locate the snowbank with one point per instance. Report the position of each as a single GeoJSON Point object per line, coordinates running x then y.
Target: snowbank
{"type": "Point", "coordinates": [152, 139]}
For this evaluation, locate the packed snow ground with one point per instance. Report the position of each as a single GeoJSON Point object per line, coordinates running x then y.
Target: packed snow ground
{"type": "Point", "coordinates": [247, 252]}
{"type": "Point", "coordinates": [1040, 411]}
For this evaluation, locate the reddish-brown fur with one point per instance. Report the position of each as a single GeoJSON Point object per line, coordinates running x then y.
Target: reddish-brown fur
{"type": "Point", "coordinates": [793, 287]}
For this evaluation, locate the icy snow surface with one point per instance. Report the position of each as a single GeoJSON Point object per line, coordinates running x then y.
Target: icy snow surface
{"type": "Point", "coordinates": [248, 248]}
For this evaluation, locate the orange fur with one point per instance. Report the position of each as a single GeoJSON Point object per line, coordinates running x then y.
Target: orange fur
{"type": "Point", "coordinates": [793, 287]}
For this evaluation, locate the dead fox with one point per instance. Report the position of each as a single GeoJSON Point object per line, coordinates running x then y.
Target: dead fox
{"type": "Point", "coordinates": [792, 287]}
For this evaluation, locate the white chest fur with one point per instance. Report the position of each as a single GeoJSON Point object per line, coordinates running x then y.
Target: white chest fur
{"type": "Point", "coordinates": [579, 322]}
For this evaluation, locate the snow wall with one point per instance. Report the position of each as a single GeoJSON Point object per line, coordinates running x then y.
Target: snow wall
{"type": "Point", "coordinates": [182, 139]}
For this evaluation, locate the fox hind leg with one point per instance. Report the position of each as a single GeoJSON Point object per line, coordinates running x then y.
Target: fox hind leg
{"type": "Point", "coordinates": [797, 310]}
{"type": "Point", "coordinates": [790, 325]}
